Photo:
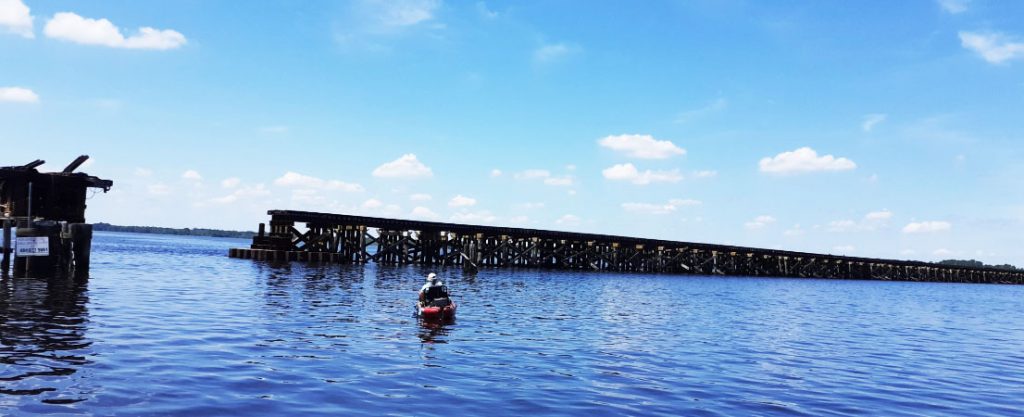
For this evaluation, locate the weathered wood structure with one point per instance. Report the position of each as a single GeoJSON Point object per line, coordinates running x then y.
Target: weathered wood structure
{"type": "Point", "coordinates": [47, 209]}
{"type": "Point", "coordinates": [357, 239]}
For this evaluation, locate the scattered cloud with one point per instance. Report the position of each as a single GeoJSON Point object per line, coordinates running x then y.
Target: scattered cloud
{"type": "Point", "coordinates": [143, 172]}
{"type": "Point", "coordinates": [647, 208]}
{"type": "Point", "coordinates": [71, 27]}
{"type": "Point", "coordinates": [259, 190]}
{"type": "Point", "coordinates": [16, 18]}
{"type": "Point", "coordinates": [275, 129]}
{"type": "Point", "coordinates": [628, 172]}
{"type": "Point", "coordinates": [995, 48]}
{"type": "Point", "coordinates": [372, 203]}
{"type": "Point", "coordinates": [942, 252]}
{"type": "Point", "coordinates": [554, 52]}
{"type": "Point", "coordinates": [462, 201]}
{"type": "Point", "coordinates": [568, 220]}
{"type": "Point", "coordinates": [668, 208]}
{"type": "Point", "coordinates": [954, 6]}
{"type": "Point", "coordinates": [18, 95]}
{"type": "Point", "coordinates": [192, 175]}
{"type": "Point", "coordinates": [908, 252]}
{"type": "Point", "coordinates": [423, 213]}
{"type": "Point", "coordinates": [296, 180]}
{"type": "Point", "coordinates": [704, 174]}
{"type": "Point", "coordinates": [570, 167]}
{"type": "Point", "coordinates": [796, 230]}
{"type": "Point", "coordinates": [405, 167]}
{"type": "Point", "coordinates": [927, 227]}
{"type": "Point", "coordinates": [400, 13]}
{"type": "Point", "coordinates": [716, 106]}
{"type": "Point", "coordinates": [844, 249]}
{"type": "Point", "coordinates": [531, 206]}
{"type": "Point", "coordinates": [641, 146]}
{"type": "Point", "coordinates": [840, 226]}
{"type": "Point", "coordinates": [532, 174]}
{"type": "Point", "coordinates": [878, 215]}
{"type": "Point", "coordinates": [158, 189]}
{"type": "Point", "coordinates": [485, 12]}
{"type": "Point", "coordinates": [804, 160]}
{"type": "Point", "coordinates": [566, 181]}
{"type": "Point", "coordinates": [230, 182]}
{"type": "Point", "coordinates": [495, 173]}
{"type": "Point", "coordinates": [871, 120]}
{"type": "Point", "coordinates": [759, 222]}
{"type": "Point", "coordinates": [420, 197]}
{"type": "Point", "coordinates": [474, 217]}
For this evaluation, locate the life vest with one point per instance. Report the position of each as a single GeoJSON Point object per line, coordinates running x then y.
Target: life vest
{"type": "Point", "coordinates": [435, 292]}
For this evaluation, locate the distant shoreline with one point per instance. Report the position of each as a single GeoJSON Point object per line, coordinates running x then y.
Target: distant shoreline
{"type": "Point", "coordinates": [107, 227]}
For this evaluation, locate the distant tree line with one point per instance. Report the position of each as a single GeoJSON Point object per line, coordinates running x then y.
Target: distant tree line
{"type": "Point", "coordinates": [977, 264]}
{"type": "Point", "coordinates": [107, 227]}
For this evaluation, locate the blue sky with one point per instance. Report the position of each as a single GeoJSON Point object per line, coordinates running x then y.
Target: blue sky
{"type": "Point", "coordinates": [888, 129]}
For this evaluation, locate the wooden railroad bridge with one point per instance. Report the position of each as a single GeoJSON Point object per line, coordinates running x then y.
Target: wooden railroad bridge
{"type": "Point", "coordinates": [343, 238]}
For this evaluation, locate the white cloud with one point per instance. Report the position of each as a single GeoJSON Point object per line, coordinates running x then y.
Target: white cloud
{"type": "Point", "coordinates": [18, 95]}
{"type": "Point", "coordinates": [192, 175]}
{"type": "Point", "coordinates": [804, 160]}
{"type": "Point", "coordinates": [143, 172]}
{"type": "Point", "coordinates": [296, 180]}
{"type": "Point", "coordinates": [549, 53]}
{"type": "Point", "coordinates": [16, 17]}
{"type": "Point", "coordinates": [486, 13]}
{"type": "Point", "coordinates": [478, 217]}
{"type": "Point", "coordinates": [531, 206]}
{"type": "Point", "coordinates": [275, 129]}
{"type": "Point", "coordinates": [715, 106]}
{"type": "Point", "coordinates": [405, 167]}
{"type": "Point", "coordinates": [401, 13]}
{"type": "Point", "coordinates": [759, 222]}
{"type": "Point", "coordinates": [462, 201]}
{"type": "Point", "coordinates": [844, 249]}
{"type": "Point", "coordinates": [908, 252]}
{"type": "Point", "coordinates": [565, 181]}
{"type": "Point", "coordinates": [423, 213]}
{"type": "Point", "coordinates": [628, 172]}
{"type": "Point", "coordinates": [568, 220]}
{"type": "Point", "coordinates": [420, 197]}
{"type": "Point", "coordinates": [532, 174]}
{"type": "Point", "coordinates": [794, 231]}
{"type": "Point", "coordinates": [871, 120]}
{"type": "Point", "coordinates": [647, 208]}
{"type": "Point", "coordinates": [705, 174]}
{"type": "Point", "coordinates": [841, 226]}
{"type": "Point", "coordinates": [641, 146]}
{"type": "Point", "coordinates": [495, 173]}
{"type": "Point", "coordinates": [942, 252]}
{"type": "Point", "coordinates": [230, 182]}
{"type": "Point", "coordinates": [687, 202]}
{"type": "Point", "coordinates": [995, 48]}
{"type": "Point", "coordinates": [158, 189]}
{"type": "Point", "coordinates": [570, 167]}
{"type": "Point", "coordinates": [259, 190]}
{"type": "Point", "coordinates": [372, 203]}
{"type": "Point", "coordinates": [927, 227]}
{"type": "Point", "coordinates": [954, 6]}
{"type": "Point", "coordinates": [71, 27]}
{"type": "Point", "coordinates": [878, 215]}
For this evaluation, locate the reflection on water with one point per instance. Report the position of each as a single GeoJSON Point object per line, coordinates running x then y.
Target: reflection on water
{"type": "Point", "coordinates": [43, 340]}
{"type": "Point", "coordinates": [171, 326]}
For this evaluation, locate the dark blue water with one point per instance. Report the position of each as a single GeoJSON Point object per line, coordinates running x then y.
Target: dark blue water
{"type": "Point", "coordinates": [171, 326]}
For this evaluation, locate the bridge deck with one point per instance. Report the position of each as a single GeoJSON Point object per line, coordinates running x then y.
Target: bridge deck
{"type": "Point", "coordinates": [348, 238]}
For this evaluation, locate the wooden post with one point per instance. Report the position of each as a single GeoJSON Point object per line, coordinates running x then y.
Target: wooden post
{"type": "Point", "coordinates": [5, 265]}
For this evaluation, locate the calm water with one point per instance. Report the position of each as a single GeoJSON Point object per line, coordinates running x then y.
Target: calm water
{"type": "Point", "coordinates": [171, 326]}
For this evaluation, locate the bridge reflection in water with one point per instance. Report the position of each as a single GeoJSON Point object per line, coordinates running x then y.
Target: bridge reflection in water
{"type": "Point", "coordinates": [354, 239]}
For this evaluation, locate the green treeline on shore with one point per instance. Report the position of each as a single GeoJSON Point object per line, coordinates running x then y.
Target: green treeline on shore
{"type": "Point", "coordinates": [977, 264]}
{"type": "Point", "coordinates": [107, 227]}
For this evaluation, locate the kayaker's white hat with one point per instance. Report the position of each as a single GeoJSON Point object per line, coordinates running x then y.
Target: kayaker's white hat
{"type": "Point", "coordinates": [431, 276]}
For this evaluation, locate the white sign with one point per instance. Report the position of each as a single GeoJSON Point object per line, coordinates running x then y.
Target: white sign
{"type": "Point", "coordinates": [32, 246]}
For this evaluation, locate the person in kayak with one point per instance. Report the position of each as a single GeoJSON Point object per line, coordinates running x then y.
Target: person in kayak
{"type": "Point", "coordinates": [434, 292]}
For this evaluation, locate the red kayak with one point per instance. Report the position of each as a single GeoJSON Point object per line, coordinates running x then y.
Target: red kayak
{"type": "Point", "coordinates": [436, 312]}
